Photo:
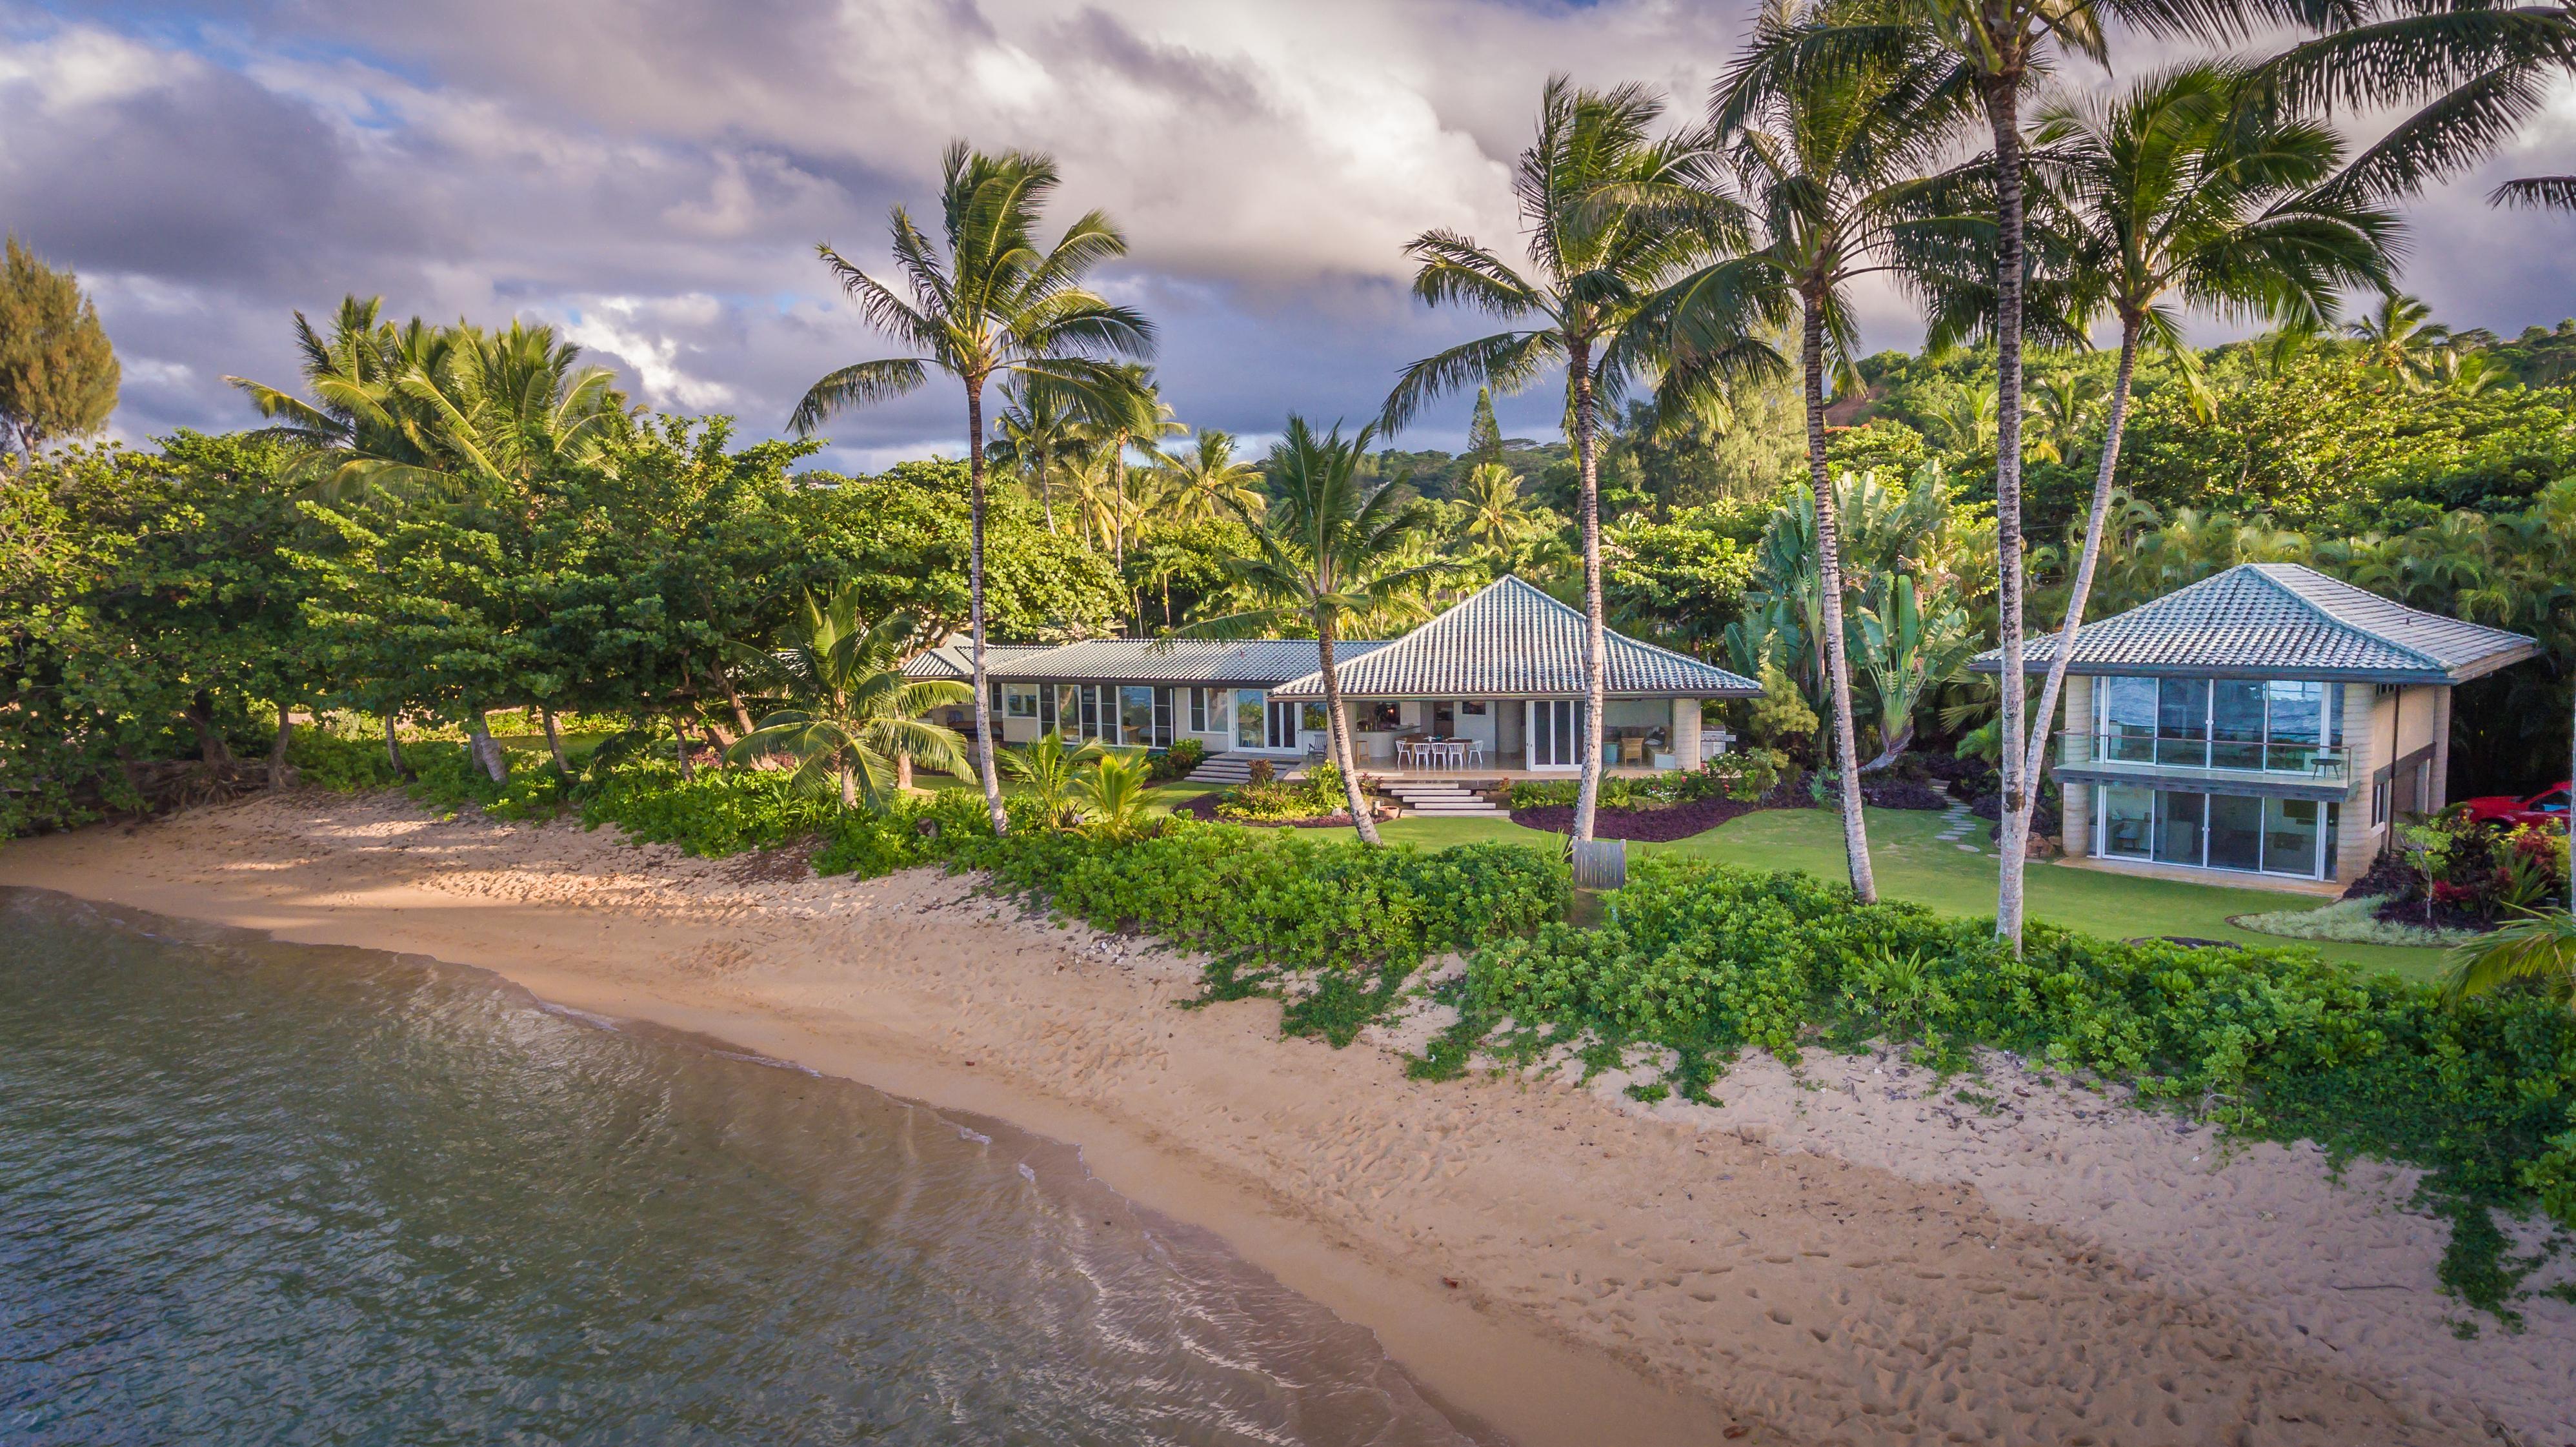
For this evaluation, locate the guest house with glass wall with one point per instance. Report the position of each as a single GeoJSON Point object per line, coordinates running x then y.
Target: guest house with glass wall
{"type": "Point", "coordinates": [2268, 723]}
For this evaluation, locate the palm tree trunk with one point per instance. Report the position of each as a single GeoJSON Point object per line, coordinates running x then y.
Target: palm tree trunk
{"type": "Point", "coordinates": [393, 748]}
{"type": "Point", "coordinates": [1337, 728]}
{"type": "Point", "coordinates": [1829, 574]}
{"type": "Point", "coordinates": [554, 740]}
{"type": "Point", "coordinates": [2003, 115]}
{"type": "Point", "coordinates": [2085, 563]}
{"type": "Point", "coordinates": [902, 770]}
{"type": "Point", "coordinates": [688, 765]}
{"type": "Point", "coordinates": [1578, 372]}
{"type": "Point", "coordinates": [849, 783]}
{"type": "Point", "coordinates": [486, 750]}
{"type": "Point", "coordinates": [277, 771]}
{"type": "Point", "coordinates": [975, 604]}
{"type": "Point", "coordinates": [733, 697]}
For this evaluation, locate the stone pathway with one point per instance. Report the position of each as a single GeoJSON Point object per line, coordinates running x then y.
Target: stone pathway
{"type": "Point", "coordinates": [1956, 821]}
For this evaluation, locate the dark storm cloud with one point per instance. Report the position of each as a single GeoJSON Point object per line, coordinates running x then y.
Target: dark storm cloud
{"type": "Point", "coordinates": [652, 175]}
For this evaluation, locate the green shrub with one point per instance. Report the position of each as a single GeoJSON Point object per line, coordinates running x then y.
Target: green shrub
{"type": "Point", "coordinates": [342, 763]}
{"type": "Point", "coordinates": [1319, 795]}
{"type": "Point", "coordinates": [1744, 776]}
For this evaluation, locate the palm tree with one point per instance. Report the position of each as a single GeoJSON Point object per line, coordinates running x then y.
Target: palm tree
{"type": "Point", "coordinates": [2183, 193]}
{"type": "Point", "coordinates": [1496, 516]}
{"type": "Point", "coordinates": [1114, 793]}
{"type": "Point", "coordinates": [2541, 948]}
{"type": "Point", "coordinates": [1207, 480]}
{"type": "Point", "coordinates": [2471, 71]}
{"type": "Point", "coordinates": [1331, 549]}
{"type": "Point", "coordinates": [1612, 216]}
{"type": "Point", "coordinates": [2400, 338]}
{"type": "Point", "coordinates": [851, 712]}
{"type": "Point", "coordinates": [1833, 161]}
{"type": "Point", "coordinates": [1996, 49]}
{"type": "Point", "coordinates": [1047, 769]}
{"type": "Point", "coordinates": [996, 306]}
{"type": "Point", "coordinates": [2064, 408]}
{"type": "Point", "coordinates": [1041, 427]}
{"type": "Point", "coordinates": [360, 433]}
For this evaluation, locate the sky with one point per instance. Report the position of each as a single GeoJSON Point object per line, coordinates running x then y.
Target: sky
{"type": "Point", "coordinates": [652, 178]}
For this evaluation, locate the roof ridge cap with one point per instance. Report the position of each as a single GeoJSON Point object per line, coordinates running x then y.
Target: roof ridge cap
{"type": "Point", "coordinates": [2320, 609]}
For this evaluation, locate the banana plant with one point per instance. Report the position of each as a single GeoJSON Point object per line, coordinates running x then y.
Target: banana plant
{"type": "Point", "coordinates": [1907, 653]}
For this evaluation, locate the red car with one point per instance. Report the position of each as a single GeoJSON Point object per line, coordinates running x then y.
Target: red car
{"type": "Point", "coordinates": [2548, 807]}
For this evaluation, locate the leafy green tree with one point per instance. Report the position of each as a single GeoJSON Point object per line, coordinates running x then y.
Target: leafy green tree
{"type": "Point", "coordinates": [1612, 216]}
{"type": "Point", "coordinates": [906, 536]}
{"type": "Point", "coordinates": [58, 374]}
{"type": "Point", "coordinates": [1682, 580]}
{"type": "Point", "coordinates": [1331, 548]}
{"type": "Point", "coordinates": [1496, 516]}
{"type": "Point", "coordinates": [996, 305]}
{"type": "Point", "coordinates": [850, 713]}
{"type": "Point", "coordinates": [1484, 434]}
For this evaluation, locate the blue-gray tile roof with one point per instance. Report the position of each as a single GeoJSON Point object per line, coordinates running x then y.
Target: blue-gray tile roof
{"type": "Point", "coordinates": [2280, 620]}
{"type": "Point", "coordinates": [1220, 663]}
{"type": "Point", "coordinates": [1513, 640]}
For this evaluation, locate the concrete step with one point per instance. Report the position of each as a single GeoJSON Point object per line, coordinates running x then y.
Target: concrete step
{"type": "Point", "coordinates": [1457, 811]}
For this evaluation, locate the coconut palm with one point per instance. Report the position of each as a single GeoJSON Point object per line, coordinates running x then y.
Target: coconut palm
{"type": "Point", "coordinates": [1612, 216]}
{"type": "Point", "coordinates": [997, 305]}
{"type": "Point", "coordinates": [2184, 192]}
{"type": "Point", "coordinates": [2467, 73]}
{"type": "Point", "coordinates": [1997, 49]}
{"type": "Point", "coordinates": [1833, 160]}
{"type": "Point", "coordinates": [2400, 338]}
{"type": "Point", "coordinates": [1040, 430]}
{"type": "Point", "coordinates": [358, 433]}
{"type": "Point", "coordinates": [1047, 769]}
{"type": "Point", "coordinates": [2063, 405]}
{"type": "Point", "coordinates": [1496, 516]}
{"type": "Point", "coordinates": [1333, 547]}
{"type": "Point", "coordinates": [1206, 479]}
{"type": "Point", "coordinates": [850, 712]}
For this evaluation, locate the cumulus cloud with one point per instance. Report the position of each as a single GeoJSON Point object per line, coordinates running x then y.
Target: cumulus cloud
{"type": "Point", "coordinates": [652, 175]}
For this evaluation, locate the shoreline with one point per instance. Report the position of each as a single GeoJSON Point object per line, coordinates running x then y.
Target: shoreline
{"type": "Point", "coordinates": [1514, 1242]}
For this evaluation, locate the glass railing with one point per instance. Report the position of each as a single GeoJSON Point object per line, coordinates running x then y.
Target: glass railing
{"type": "Point", "coordinates": [2149, 753]}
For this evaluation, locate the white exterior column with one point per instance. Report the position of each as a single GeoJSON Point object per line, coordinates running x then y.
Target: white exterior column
{"type": "Point", "coordinates": [2077, 808]}
{"type": "Point", "coordinates": [1685, 732]}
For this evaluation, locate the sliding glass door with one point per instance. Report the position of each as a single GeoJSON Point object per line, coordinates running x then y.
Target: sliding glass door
{"type": "Point", "coordinates": [1556, 732]}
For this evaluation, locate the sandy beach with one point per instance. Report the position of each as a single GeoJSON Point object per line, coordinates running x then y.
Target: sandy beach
{"type": "Point", "coordinates": [1853, 1253]}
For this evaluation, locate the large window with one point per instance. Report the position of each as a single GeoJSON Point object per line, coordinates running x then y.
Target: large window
{"type": "Point", "coordinates": [2128, 822]}
{"type": "Point", "coordinates": [1248, 712]}
{"type": "Point", "coordinates": [2179, 821]}
{"type": "Point", "coordinates": [1020, 700]}
{"type": "Point", "coordinates": [1136, 715]}
{"type": "Point", "coordinates": [2277, 725]}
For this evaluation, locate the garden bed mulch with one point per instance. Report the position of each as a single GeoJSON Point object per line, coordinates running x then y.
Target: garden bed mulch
{"type": "Point", "coordinates": [1646, 826]}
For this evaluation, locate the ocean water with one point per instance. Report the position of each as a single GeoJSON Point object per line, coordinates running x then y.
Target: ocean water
{"type": "Point", "coordinates": [255, 1193]}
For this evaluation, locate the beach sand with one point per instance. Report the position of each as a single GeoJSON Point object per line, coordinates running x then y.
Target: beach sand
{"type": "Point", "coordinates": [1854, 1253]}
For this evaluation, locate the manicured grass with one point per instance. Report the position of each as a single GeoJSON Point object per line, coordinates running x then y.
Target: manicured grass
{"type": "Point", "coordinates": [1911, 864]}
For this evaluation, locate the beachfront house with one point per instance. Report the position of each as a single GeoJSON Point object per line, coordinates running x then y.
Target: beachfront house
{"type": "Point", "coordinates": [2266, 724]}
{"type": "Point", "coordinates": [1493, 684]}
